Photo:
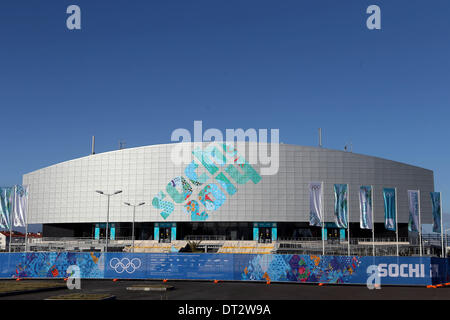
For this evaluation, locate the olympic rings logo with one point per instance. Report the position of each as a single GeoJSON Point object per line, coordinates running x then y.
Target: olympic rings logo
{"type": "Point", "coordinates": [125, 264]}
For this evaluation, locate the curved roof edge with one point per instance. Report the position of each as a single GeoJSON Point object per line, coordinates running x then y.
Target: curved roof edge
{"type": "Point", "coordinates": [287, 144]}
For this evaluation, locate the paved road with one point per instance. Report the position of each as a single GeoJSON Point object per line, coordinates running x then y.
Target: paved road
{"type": "Point", "coordinates": [187, 290]}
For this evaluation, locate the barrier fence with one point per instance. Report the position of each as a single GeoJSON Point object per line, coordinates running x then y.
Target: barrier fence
{"type": "Point", "coordinates": [245, 267]}
{"type": "Point", "coordinates": [431, 245]}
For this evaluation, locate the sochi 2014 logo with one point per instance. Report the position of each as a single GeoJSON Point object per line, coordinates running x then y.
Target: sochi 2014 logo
{"type": "Point", "coordinates": [202, 193]}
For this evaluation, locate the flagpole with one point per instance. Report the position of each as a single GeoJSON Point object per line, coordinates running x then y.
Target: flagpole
{"type": "Point", "coordinates": [11, 219]}
{"type": "Point", "coordinates": [348, 218]}
{"type": "Point", "coordinates": [396, 219]}
{"type": "Point", "coordinates": [442, 226]}
{"type": "Point", "coordinates": [420, 226]}
{"type": "Point", "coordinates": [323, 220]}
{"type": "Point", "coordinates": [10, 234]}
{"type": "Point", "coordinates": [26, 219]}
{"type": "Point", "coordinates": [372, 198]}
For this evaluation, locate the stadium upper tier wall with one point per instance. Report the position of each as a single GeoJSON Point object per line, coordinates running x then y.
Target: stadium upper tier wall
{"type": "Point", "coordinates": [65, 192]}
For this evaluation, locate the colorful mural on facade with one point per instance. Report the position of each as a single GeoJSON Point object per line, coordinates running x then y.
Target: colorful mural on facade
{"type": "Point", "coordinates": [158, 202]}
{"type": "Point", "coordinates": [192, 208]}
{"type": "Point", "coordinates": [220, 161]}
{"type": "Point", "coordinates": [212, 197]}
{"type": "Point", "coordinates": [179, 189]}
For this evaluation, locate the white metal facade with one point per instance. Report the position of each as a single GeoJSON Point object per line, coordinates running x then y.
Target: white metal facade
{"type": "Point", "coordinates": [65, 192]}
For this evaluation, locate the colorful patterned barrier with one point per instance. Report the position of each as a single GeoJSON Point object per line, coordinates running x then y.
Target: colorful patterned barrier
{"type": "Point", "coordinates": [246, 267]}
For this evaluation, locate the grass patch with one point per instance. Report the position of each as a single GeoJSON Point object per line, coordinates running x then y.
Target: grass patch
{"type": "Point", "coordinates": [82, 296]}
{"type": "Point", "coordinates": [10, 286]}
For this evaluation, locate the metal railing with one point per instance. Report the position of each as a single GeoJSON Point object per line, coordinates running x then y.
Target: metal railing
{"type": "Point", "coordinates": [313, 239]}
{"type": "Point", "coordinates": [206, 237]}
{"type": "Point", "coordinates": [68, 244]}
{"type": "Point", "coordinates": [357, 250]}
{"type": "Point", "coordinates": [431, 246]}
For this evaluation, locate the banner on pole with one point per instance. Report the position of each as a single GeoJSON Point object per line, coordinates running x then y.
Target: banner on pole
{"type": "Point", "coordinates": [315, 204]}
{"type": "Point", "coordinates": [6, 199]}
{"type": "Point", "coordinates": [340, 205]}
{"type": "Point", "coordinates": [20, 206]}
{"type": "Point", "coordinates": [389, 209]}
{"type": "Point", "coordinates": [365, 207]}
{"type": "Point", "coordinates": [436, 209]}
{"type": "Point", "coordinates": [413, 200]}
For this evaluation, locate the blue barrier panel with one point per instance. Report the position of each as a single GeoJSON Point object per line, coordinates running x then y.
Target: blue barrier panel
{"type": "Point", "coordinates": [440, 272]}
{"type": "Point", "coordinates": [246, 267]}
{"type": "Point", "coordinates": [404, 270]}
{"type": "Point", "coordinates": [50, 264]}
{"type": "Point", "coordinates": [123, 265]}
{"type": "Point", "coordinates": [169, 266]}
{"type": "Point", "coordinates": [8, 264]}
{"type": "Point", "coordinates": [333, 269]}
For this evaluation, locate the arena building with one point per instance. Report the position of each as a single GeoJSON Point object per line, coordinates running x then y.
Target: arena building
{"type": "Point", "coordinates": [215, 195]}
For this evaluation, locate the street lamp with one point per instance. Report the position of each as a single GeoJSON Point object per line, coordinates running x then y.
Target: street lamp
{"type": "Point", "coordinates": [107, 214]}
{"type": "Point", "coordinates": [134, 214]}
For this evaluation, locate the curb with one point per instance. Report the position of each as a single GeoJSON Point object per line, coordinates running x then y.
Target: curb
{"type": "Point", "coordinates": [150, 288]}
{"type": "Point", "coordinates": [103, 299]}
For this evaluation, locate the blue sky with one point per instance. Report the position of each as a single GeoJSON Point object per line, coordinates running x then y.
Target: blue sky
{"type": "Point", "coordinates": [140, 69]}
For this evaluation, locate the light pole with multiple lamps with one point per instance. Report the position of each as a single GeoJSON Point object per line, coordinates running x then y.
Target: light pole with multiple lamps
{"type": "Point", "coordinates": [107, 214]}
{"type": "Point", "coordinates": [134, 215]}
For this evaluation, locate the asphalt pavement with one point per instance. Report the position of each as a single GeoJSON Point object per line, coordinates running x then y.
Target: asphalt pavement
{"type": "Point", "coordinates": [255, 291]}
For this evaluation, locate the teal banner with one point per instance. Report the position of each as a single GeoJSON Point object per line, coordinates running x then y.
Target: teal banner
{"type": "Point", "coordinates": [436, 209]}
{"type": "Point", "coordinates": [413, 200]}
{"type": "Point", "coordinates": [6, 199]}
{"type": "Point", "coordinates": [340, 205]}
{"type": "Point", "coordinates": [390, 209]}
{"type": "Point", "coordinates": [365, 207]}
{"type": "Point", "coordinates": [315, 204]}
